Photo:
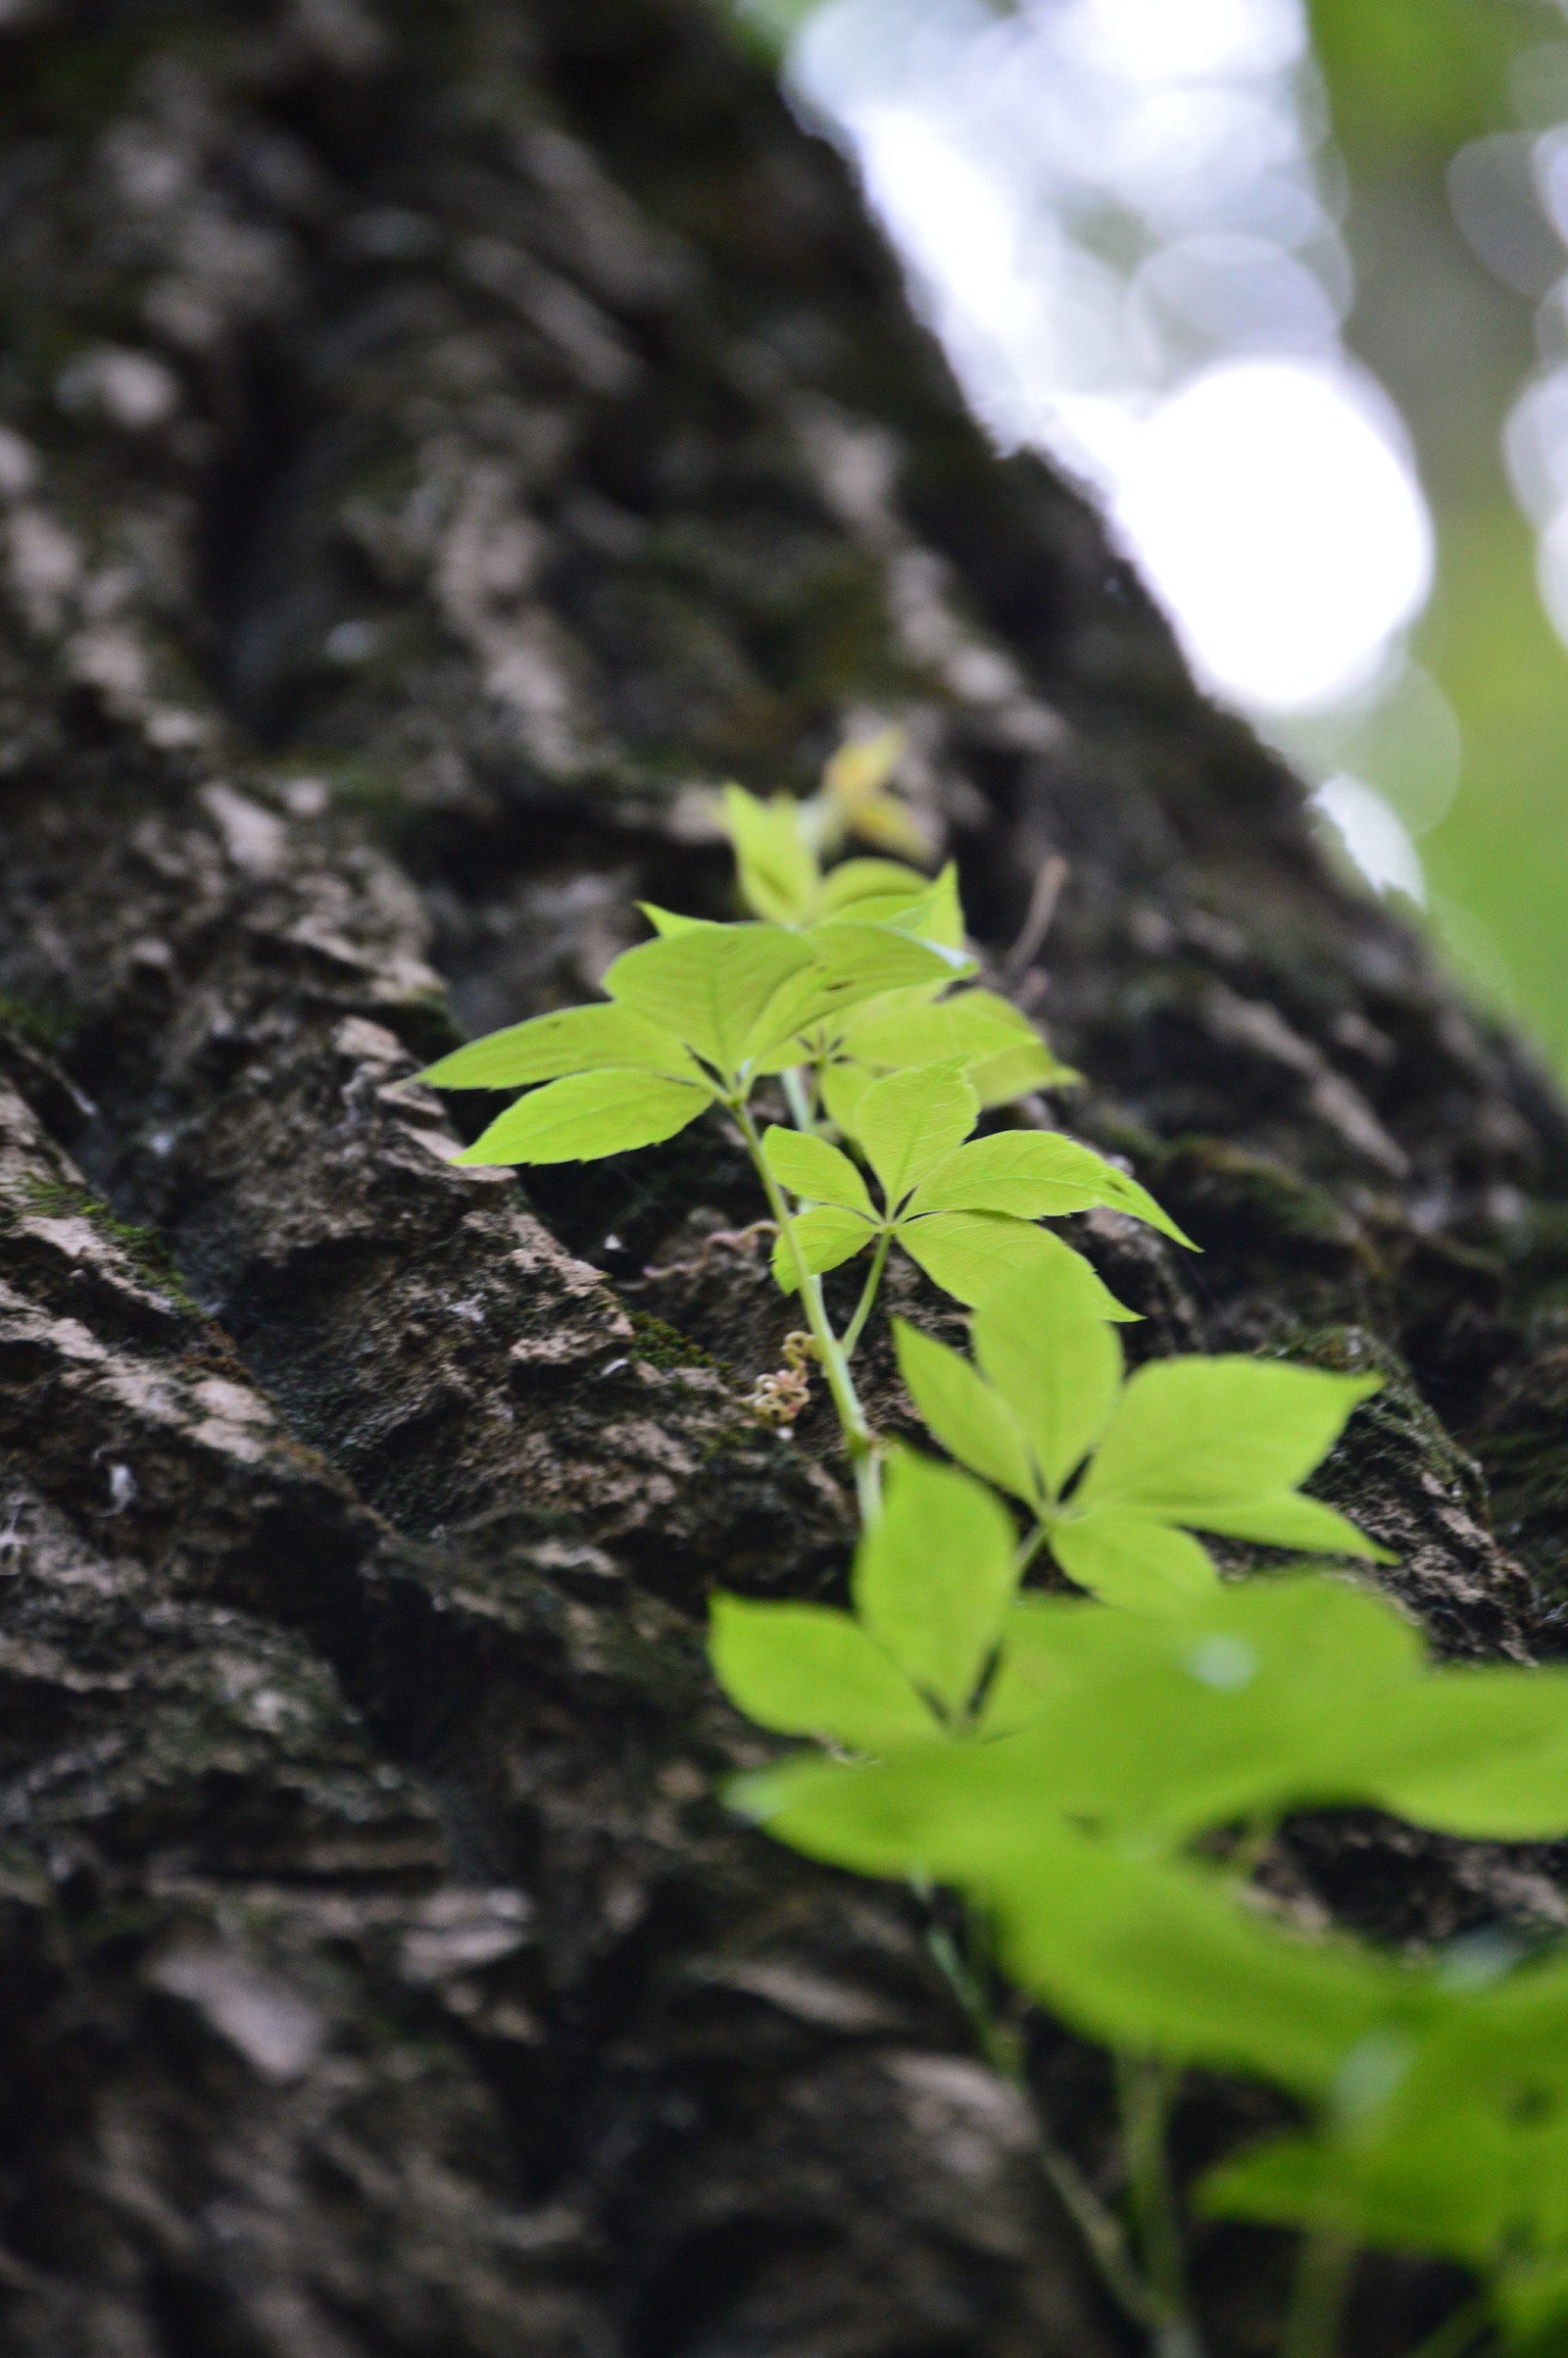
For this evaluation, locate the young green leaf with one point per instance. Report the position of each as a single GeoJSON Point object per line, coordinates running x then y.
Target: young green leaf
{"type": "Point", "coordinates": [1152, 1956]}
{"type": "Point", "coordinates": [933, 1579]}
{"type": "Point", "coordinates": [1044, 1340]}
{"type": "Point", "coordinates": [814, 1170]}
{"type": "Point", "coordinates": [849, 964]}
{"type": "Point", "coordinates": [709, 986]}
{"type": "Point", "coordinates": [967, 1415]}
{"type": "Point", "coordinates": [1035, 1174]}
{"type": "Point", "coordinates": [826, 1235]}
{"type": "Point", "coordinates": [848, 888]}
{"type": "Point", "coordinates": [1133, 1561]}
{"type": "Point", "coordinates": [972, 1255]}
{"type": "Point", "coordinates": [805, 1670]}
{"type": "Point", "coordinates": [1002, 1053]}
{"type": "Point", "coordinates": [779, 876]}
{"type": "Point", "coordinates": [910, 1122]}
{"type": "Point", "coordinates": [587, 1039]}
{"type": "Point", "coordinates": [1220, 1444]}
{"type": "Point", "coordinates": [588, 1115]}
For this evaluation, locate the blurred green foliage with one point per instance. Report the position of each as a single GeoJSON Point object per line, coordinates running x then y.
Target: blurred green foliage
{"type": "Point", "coordinates": [1410, 84]}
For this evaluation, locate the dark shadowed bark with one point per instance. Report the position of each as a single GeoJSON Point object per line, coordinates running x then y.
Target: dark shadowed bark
{"type": "Point", "coordinates": [436, 437]}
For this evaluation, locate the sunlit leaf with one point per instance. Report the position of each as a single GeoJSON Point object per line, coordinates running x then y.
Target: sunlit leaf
{"type": "Point", "coordinates": [669, 922]}
{"type": "Point", "coordinates": [584, 1038]}
{"type": "Point", "coordinates": [1146, 1956]}
{"type": "Point", "coordinates": [779, 871]}
{"type": "Point", "coordinates": [587, 1115]}
{"type": "Point", "coordinates": [826, 1236]}
{"type": "Point", "coordinates": [910, 1122]}
{"type": "Point", "coordinates": [855, 881]}
{"type": "Point", "coordinates": [966, 1415]}
{"type": "Point", "coordinates": [1044, 1340]}
{"type": "Point", "coordinates": [851, 963]}
{"type": "Point", "coordinates": [1130, 1561]}
{"type": "Point", "coordinates": [933, 1578]}
{"type": "Point", "coordinates": [1034, 1174]}
{"type": "Point", "coordinates": [811, 1168]}
{"type": "Point", "coordinates": [1220, 1444]}
{"type": "Point", "coordinates": [709, 985]}
{"type": "Point", "coordinates": [805, 1670]}
{"type": "Point", "coordinates": [972, 1255]}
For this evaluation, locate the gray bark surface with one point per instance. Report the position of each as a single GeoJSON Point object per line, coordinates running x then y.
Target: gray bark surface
{"type": "Point", "coordinates": [435, 437]}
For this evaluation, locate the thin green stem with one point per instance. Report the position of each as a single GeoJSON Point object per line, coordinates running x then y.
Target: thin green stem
{"type": "Point", "coordinates": [1317, 2302]}
{"type": "Point", "coordinates": [968, 1976]}
{"type": "Point", "coordinates": [1143, 2091]}
{"type": "Point", "coordinates": [857, 1438]}
{"type": "Point", "coordinates": [863, 1308]}
{"type": "Point", "coordinates": [1457, 2332]}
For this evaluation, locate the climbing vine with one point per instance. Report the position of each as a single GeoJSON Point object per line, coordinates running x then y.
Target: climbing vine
{"type": "Point", "coordinates": [1094, 1769]}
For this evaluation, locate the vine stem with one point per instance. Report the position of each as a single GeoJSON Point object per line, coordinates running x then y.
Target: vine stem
{"type": "Point", "coordinates": [1142, 2091]}
{"type": "Point", "coordinates": [863, 1308]}
{"type": "Point", "coordinates": [1317, 2303]}
{"type": "Point", "coordinates": [1096, 2224]}
{"type": "Point", "coordinates": [857, 1438]}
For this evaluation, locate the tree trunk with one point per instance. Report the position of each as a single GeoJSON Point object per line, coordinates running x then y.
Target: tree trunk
{"type": "Point", "coordinates": [438, 434]}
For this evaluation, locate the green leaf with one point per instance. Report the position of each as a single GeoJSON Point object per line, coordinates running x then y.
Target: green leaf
{"type": "Point", "coordinates": [669, 922]}
{"type": "Point", "coordinates": [711, 985]}
{"type": "Point", "coordinates": [910, 1122]}
{"type": "Point", "coordinates": [805, 1670]}
{"type": "Point", "coordinates": [1015, 1071]}
{"type": "Point", "coordinates": [1443, 2191]}
{"type": "Point", "coordinates": [933, 1577]}
{"type": "Point", "coordinates": [586, 1116]}
{"type": "Point", "coordinates": [972, 1255]}
{"type": "Point", "coordinates": [826, 1236]}
{"type": "Point", "coordinates": [1131, 1561]}
{"type": "Point", "coordinates": [843, 1086]}
{"type": "Point", "coordinates": [970, 1419]}
{"type": "Point", "coordinates": [1158, 1729]}
{"type": "Point", "coordinates": [1035, 1174]}
{"type": "Point", "coordinates": [779, 871]}
{"type": "Point", "coordinates": [1142, 1954]}
{"type": "Point", "coordinates": [851, 963]}
{"type": "Point", "coordinates": [1221, 1443]}
{"type": "Point", "coordinates": [809, 1167]}
{"type": "Point", "coordinates": [1003, 1054]}
{"type": "Point", "coordinates": [1287, 1519]}
{"type": "Point", "coordinates": [853, 882]}
{"type": "Point", "coordinates": [1481, 1752]}
{"type": "Point", "coordinates": [1044, 1342]}
{"type": "Point", "coordinates": [587, 1039]}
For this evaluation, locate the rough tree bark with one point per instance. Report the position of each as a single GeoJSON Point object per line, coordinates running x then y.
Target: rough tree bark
{"type": "Point", "coordinates": [437, 433]}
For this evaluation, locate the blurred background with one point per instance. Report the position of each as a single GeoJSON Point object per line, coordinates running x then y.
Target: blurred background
{"type": "Point", "coordinates": [1285, 283]}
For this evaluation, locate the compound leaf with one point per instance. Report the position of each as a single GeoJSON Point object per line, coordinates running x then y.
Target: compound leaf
{"type": "Point", "coordinates": [710, 985]}
{"type": "Point", "coordinates": [805, 1670]}
{"type": "Point", "coordinates": [1044, 1342]}
{"type": "Point", "coordinates": [910, 1121]}
{"type": "Point", "coordinates": [972, 1254]}
{"type": "Point", "coordinates": [933, 1577]}
{"type": "Point", "coordinates": [587, 1115]}
{"type": "Point", "coordinates": [826, 1235]}
{"type": "Point", "coordinates": [811, 1168]}
{"type": "Point", "coordinates": [778, 870]}
{"type": "Point", "coordinates": [966, 1415]}
{"type": "Point", "coordinates": [1221, 1443]}
{"type": "Point", "coordinates": [587, 1039]}
{"type": "Point", "coordinates": [1035, 1174]}
{"type": "Point", "coordinates": [1130, 1561]}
